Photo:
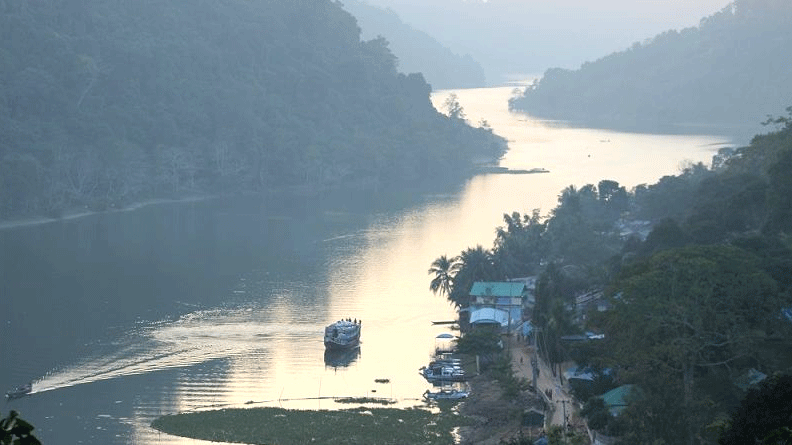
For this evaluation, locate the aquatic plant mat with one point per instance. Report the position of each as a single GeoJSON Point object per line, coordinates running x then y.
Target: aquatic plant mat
{"type": "Point", "coordinates": [278, 426]}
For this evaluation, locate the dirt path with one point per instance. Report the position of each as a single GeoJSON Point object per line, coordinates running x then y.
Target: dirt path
{"type": "Point", "coordinates": [495, 419]}
{"type": "Point", "coordinates": [551, 388]}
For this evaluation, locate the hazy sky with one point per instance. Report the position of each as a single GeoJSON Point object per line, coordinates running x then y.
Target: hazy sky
{"type": "Point", "coordinates": [529, 36]}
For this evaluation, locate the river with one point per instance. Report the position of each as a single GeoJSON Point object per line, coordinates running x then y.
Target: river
{"type": "Point", "coordinates": [123, 316]}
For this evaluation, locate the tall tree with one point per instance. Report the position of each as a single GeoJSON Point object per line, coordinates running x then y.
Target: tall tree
{"type": "Point", "coordinates": [764, 416]}
{"type": "Point", "coordinates": [475, 264]}
{"type": "Point", "coordinates": [687, 311]}
{"type": "Point", "coordinates": [444, 270]}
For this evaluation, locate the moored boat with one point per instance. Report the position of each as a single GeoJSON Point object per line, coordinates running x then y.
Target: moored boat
{"type": "Point", "coordinates": [443, 373]}
{"type": "Point", "coordinates": [343, 334]}
{"type": "Point", "coordinates": [445, 394]}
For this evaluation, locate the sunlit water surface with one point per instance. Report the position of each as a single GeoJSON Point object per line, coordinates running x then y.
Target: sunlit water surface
{"type": "Point", "coordinates": [121, 317]}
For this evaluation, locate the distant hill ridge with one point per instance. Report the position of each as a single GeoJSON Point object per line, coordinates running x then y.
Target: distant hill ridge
{"type": "Point", "coordinates": [416, 50]}
{"type": "Point", "coordinates": [733, 69]}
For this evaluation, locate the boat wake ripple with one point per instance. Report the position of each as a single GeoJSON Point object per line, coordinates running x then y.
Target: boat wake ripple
{"type": "Point", "coordinates": [193, 339]}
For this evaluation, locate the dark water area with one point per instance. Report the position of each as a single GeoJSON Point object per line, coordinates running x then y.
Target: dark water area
{"type": "Point", "coordinates": [83, 296]}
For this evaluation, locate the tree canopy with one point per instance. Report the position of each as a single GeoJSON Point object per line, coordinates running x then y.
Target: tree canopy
{"type": "Point", "coordinates": [107, 102]}
{"type": "Point", "coordinates": [731, 69]}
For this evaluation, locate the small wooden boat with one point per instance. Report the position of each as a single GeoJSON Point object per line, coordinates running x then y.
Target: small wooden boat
{"type": "Point", "coordinates": [19, 392]}
{"type": "Point", "coordinates": [446, 394]}
{"type": "Point", "coordinates": [443, 373]}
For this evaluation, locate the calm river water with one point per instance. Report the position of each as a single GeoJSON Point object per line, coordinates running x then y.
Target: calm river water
{"type": "Point", "coordinates": [121, 317]}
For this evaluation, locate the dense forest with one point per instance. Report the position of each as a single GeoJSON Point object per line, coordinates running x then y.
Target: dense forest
{"type": "Point", "coordinates": [416, 50]}
{"type": "Point", "coordinates": [103, 103]}
{"type": "Point", "coordinates": [696, 298]}
{"type": "Point", "coordinates": [733, 69]}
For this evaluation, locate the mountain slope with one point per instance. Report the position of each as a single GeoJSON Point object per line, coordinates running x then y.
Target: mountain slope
{"type": "Point", "coordinates": [732, 69]}
{"type": "Point", "coordinates": [105, 102]}
{"type": "Point", "coordinates": [416, 50]}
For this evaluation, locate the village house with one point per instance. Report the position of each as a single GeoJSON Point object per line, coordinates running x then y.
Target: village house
{"type": "Point", "coordinates": [502, 303]}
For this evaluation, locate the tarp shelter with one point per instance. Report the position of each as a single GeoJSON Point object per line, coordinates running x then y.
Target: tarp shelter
{"type": "Point", "coordinates": [445, 342]}
{"type": "Point", "coordinates": [489, 315]}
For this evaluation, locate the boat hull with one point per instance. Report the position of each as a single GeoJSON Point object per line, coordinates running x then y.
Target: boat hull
{"type": "Point", "coordinates": [340, 346]}
{"type": "Point", "coordinates": [343, 334]}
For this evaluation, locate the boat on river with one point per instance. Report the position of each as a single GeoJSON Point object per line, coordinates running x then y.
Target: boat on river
{"type": "Point", "coordinates": [19, 392]}
{"type": "Point", "coordinates": [446, 394]}
{"type": "Point", "coordinates": [343, 334]}
{"type": "Point", "coordinates": [443, 373]}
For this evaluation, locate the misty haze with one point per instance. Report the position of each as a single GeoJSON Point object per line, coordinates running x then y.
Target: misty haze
{"type": "Point", "coordinates": [396, 222]}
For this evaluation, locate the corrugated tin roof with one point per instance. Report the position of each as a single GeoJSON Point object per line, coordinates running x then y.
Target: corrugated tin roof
{"type": "Point", "coordinates": [497, 289]}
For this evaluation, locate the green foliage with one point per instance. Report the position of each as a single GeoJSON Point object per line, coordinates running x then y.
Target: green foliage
{"type": "Point", "coordinates": [519, 440]}
{"type": "Point", "coordinates": [503, 372]}
{"type": "Point", "coordinates": [475, 264]}
{"type": "Point", "coordinates": [764, 416]}
{"type": "Point", "coordinates": [444, 270]}
{"type": "Point", "coordinates": [417, 51]}
{"type": "Point", "coordinates": [704, 74]}
{"type": "Point", "coordinates": [453, 108]}
{"type": "Point", "coordinates": [727, 204]}
{"type": "Point", "coordinates": [556, 435]}
{"type": "Point", "coordinates": [682, 314]}
{"type": "Point", "coordinates": [596, 413]}
{"type": "Point", "coordinates": [14, 430]}
{"type": "Point", "coordinates": [479, 342]}
{"type": "Point", "coordinates": [520, 246]}
{"type": "Point", "coordinates": [672, 197]}
{"type": "Point", "coordinates": [103, 103]}
{"type": "Point", "coordinates": [694, 305]}
{"type": "Point", "coordinates": [780, 194]}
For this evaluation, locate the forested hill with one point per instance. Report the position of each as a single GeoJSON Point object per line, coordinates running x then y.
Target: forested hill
{"type": "Point", "coordinates": [731, 69]}
{"type": "Point", "coordinates": [416, 50]}
{"type": "Point", "coordinates": [105, 102]}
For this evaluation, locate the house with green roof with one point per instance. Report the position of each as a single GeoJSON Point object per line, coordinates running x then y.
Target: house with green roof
{"type": "Point", "coordinates": [508, 297]}
{"type": "Point", "coordinates": [617, 399]}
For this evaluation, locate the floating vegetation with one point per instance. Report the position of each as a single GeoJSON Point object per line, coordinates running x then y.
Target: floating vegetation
{"type": "Point", "coordinates": [363, 400]}
{"type": "Point", "coordinates": [286, 427]}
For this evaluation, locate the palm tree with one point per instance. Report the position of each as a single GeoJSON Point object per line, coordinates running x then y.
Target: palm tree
{"type": "Point", "coordinates": [444, 270]}
{"type": "Point", "coordinates": [475, 264]}
{"type": "Point", "coordinates": [478, 265]}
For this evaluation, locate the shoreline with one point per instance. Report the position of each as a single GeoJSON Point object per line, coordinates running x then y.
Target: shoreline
{"type": "Point", "coordinates": [82, 213]}
{"type": "Point", "coordinates": [298, 190]}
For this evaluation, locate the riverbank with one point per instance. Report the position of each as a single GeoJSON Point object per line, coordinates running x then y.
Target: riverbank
{"type": "Point", "coordinates": [301, 191]}
{"type": "Point", "coordinates": [77, 212]}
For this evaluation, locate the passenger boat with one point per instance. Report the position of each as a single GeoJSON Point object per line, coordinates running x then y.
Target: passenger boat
{"type": "Point", "coordinates": [19, 392]}
{"type": "Point", "coordinates": [343, 334]}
